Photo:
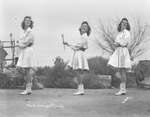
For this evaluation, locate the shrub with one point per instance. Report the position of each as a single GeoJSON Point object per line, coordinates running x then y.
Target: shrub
{"type": "Point", "coordinates": [98, 65]}
{"type": "Point", "coordinates": [40, 71]}
{"type": "Point", "coordinates": [91, 81]}
{"type": "Point", "coordinates": [57, 77]}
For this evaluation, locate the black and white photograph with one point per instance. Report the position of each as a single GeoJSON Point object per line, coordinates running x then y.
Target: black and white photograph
{"type": "Point", "coordinates": [74, 58]}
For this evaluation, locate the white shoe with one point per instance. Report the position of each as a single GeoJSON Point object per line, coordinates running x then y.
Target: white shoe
{"type": "Point", "coordinates": [28, 89]}
{"type": "Point", "coordinates": [79, 93]}
{"type": "Point", "coordinates": [80, 90]}
{"type": "Point", "coordinates": [26, 92]}
{"type": "Point", "coordinates": [121, 93]}
{"type": "Point", "coordinates": [122, 90]}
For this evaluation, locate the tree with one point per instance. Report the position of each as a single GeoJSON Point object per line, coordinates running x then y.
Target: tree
{"type": "Point", "coordinates": [105, 35]}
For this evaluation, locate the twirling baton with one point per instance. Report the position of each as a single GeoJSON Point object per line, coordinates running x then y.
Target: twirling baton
{"type": "Point", "coordinates": [63, 41]}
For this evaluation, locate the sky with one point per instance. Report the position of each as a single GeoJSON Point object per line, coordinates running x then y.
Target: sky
{"type": "Point", "coordinates": [55, 17]}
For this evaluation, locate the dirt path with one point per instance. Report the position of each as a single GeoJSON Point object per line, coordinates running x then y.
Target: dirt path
{"type": "Point", "coordinates": [61, 103]}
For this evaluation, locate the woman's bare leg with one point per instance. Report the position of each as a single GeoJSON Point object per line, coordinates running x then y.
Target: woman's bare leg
{"type": "Point", "coordinates": [28, 75]}
{"type": "Point", "coordinates": [29, 82]}
{"type": "Point", "coordinates": [122, 90]}
{"type": "Point", "coordinates": [123, 75]}
{"type": "Point", "coordinates": [80, 85]}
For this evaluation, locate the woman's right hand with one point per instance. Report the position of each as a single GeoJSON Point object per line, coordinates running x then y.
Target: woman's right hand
{"type": "Point", "coordinates": [65, 43]}
{"type": "Point", "coordinates": [116, 44]}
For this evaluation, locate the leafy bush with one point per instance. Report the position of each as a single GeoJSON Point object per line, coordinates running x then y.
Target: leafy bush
{"type": "Point", "coordinates": [91, 81]}
{"type": "Point", "coordinates": [41, 71]}
{"type": "Point", "coordinates": [98, 65]}
{"type": "Point", "coordinates": [57, 77]}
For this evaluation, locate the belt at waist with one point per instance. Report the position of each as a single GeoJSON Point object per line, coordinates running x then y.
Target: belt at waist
{"type": "Point", "coordinates": [122, 46]}
{"type": "Point", "coordinates": [82, 49]}
{"type": "Point", "coordinates": [30, 44]}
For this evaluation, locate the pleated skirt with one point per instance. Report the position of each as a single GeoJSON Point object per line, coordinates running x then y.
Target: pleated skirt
{"type": "Point", "coordinates": [79, 61]}
{"type": "Point", "coordinates": [120, 58]}
{"type": "Point", "coordinates": [26, 58]}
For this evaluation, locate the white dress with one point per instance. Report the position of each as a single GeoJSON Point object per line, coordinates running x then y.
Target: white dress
{"type": "Point", "coordinates": [121, 58]}
{"type": "Point", "coordinates": [79, 59]}
{"type": "Point", "coordinates": [26, 56]}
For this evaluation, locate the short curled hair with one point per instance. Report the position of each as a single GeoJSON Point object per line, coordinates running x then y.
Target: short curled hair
{"type": "Point", "coordinates": [128, 25]}
{"type": "Point", "coordinates": [23, 25]}
{"type": "Point", "coordinates": [89, 28]}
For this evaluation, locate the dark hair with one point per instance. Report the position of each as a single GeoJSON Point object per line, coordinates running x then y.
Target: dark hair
{"type": "Point", "coordinates": [128, 25]}
{"type": "Point", "coordinates": [23, 25]}
{"type": "Point", "coordinates": [89, 28]}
